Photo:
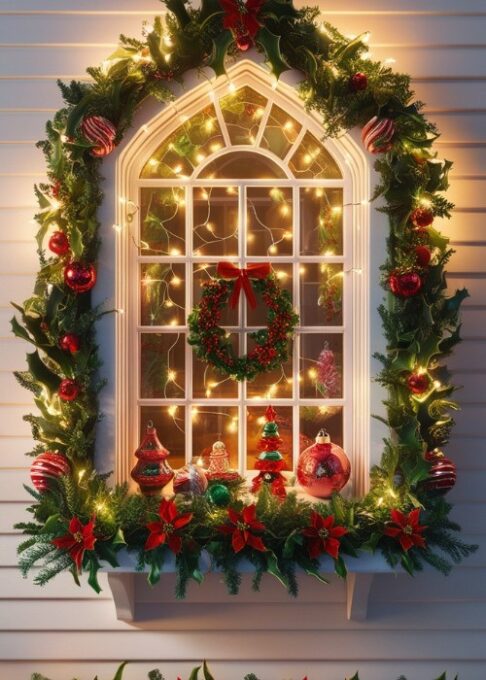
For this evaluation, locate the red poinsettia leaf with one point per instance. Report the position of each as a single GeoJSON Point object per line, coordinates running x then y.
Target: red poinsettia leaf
{"type": "Point", "coordinates": [64, 542]}
{"type": "Point", "coordinates": [237, 541]}
{"type": "Point", "coordinates": [310, 532]}
{"type": "Point", "coordinates": [337, 532]}
{"type": "Point", "coordinates": [249, 514]}
{"type": "Point", "coordinates": [317, 520]}
{"type": "Point", "coordinates": [256, 543]}
{"type": "Point", "coordinates": [257, 526]}
{"type": "Point", "coordinates": [155, 527]}
{"type": "Point", "coordinates": [419, 541]}
{"type": "Point", "coordinates": [168, 511]}
{"type": "Point", "coordinates": [392, 531]}
{"type": "Point", "coordinates": [251, 24]}
{"type": "Point", "coordinates": [75, 525]}
{"type": "Point", "coordinates": [328, 522]}
{"type": "Point", "coordinates": [154, 540]}
{"type": "Point", "coordinates": [181, 521]}
{"type": "Point", "coordinates": [76, 554]}
{"type": "Point", "coordinates": [405, 541]}
{"type": "Point", "coordinates": [234, 516]}
{"type": "Point", "coordinates": [226, 529]}
{"type": "Point", "coordinates": [314, 548]}
{"type": "Point", "coordinates": [413, 517]}
{"type": "Point", "coordinates": [332, 547]}
{"type": "Point", "coordinates": [398, 517]}
{"type": "Point", "coordinates": [175, 543]}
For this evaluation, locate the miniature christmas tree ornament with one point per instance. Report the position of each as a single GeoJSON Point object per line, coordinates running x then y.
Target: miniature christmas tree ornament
{"type": "Point", "coordinates": [270, 462]}
{"type": "Point", "coordinates": [152, 471]}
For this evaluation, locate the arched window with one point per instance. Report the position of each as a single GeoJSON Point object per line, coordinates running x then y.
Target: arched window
{"type": "Point", "coordinates": [239, 173]}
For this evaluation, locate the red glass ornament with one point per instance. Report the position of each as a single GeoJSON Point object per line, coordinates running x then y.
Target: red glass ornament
{"type": "Point", "coordinates": [422, 217]}
{"type": "Point", "coordinates": [377, 135]}
{"type": "Point", "coordinates": [405, 285]}
{"type": "Point", "coordinates": [358, 82]}
{"type": "Point", "coordinates": [47, 466]}
{"type": "Point", "coordinates": [59, 243]}
{"type": "Point", "coordinates": [55, 188]}
{"type": "Point", "coordinates": [152, 471]}
{"type": "Point", "coordinates": [68, 390]}
{"type": "Point", "coordinates": [418, 383]}
{"type": "Point", "coordinates": [70, 343]}
{"type": "Point", "coordinates": [243, 41]}
{"type": "Point", "coordinates": [80, 277]}
{"type": "Point", "coordinates": [323, 468]}
{"type": "Point", "coordinates": [423, 255]}
{"type": "Point", "coordinates": [442, 473]}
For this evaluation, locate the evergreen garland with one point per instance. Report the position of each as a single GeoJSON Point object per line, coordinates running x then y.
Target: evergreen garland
{"type": "Point", "coordinates": [420, 329]}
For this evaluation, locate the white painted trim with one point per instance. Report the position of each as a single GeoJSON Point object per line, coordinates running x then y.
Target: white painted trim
{"type": "Point", "coordinates": [355, 169]}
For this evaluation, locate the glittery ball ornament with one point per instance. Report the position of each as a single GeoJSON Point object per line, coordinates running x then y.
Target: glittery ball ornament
{"type": "Point", "coordinates": [152, 471]}
{"type": "Point", "coordinates": [418, 383]}
{"type": "Point", "coordinates": [219, 495]}
{"type": "Point", "coordinates": [48, 466]}
{"type": "Point", "coordinates": [79, 276]}
{"type": "Point", "coordinates": [59, 243]}
{"type": "Point", "coordinates": [358, 82]}
{"type": "Point", "coordinates": [101, 133]}
{"type": "Point", "coordinates": [377, 135]}
{"type": "Point", "coordinates": [405, 285]}
{"type": "Point", "coordinates": [190, 479]}
{"type": "Point", "coordinates": [422, 217]}
{"type": "Point", "coordinates": [68, 390]}
{"type": "Point", "coordinates": [70, 342]}
{"type": "Point", "coordinates": [442, 473]}
{"type": "Point", "coordinates": [323, 468]}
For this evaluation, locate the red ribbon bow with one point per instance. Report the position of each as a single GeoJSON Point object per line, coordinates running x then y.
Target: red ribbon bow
{"type": "Point", "coordinates": [227, 270]}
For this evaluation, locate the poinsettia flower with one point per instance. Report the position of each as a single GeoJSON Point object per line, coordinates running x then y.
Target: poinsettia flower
{"type": "Point", "coordinates": [322, 536]}
{"type": "Point", "coordinates": [406, 529]}
{"type": "Point", "coordinates": [242, 16]}
{"type": "Point", "coordinates": [164, 531]}
{"type": "Point", "coordinates": [241, 527]}
{"type": "Point", "coordinates": [80, 537]}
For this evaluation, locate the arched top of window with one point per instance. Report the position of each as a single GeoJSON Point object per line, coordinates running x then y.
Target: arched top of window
{"type": "Point", "coordinates": [243, 119]}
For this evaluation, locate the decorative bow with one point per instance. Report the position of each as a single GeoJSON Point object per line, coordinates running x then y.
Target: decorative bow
{"type": "Point", "coordinates": [227, 270]}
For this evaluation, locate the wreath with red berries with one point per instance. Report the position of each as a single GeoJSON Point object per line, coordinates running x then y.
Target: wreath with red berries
{"type": "Point", "coordinates": [212, 343]}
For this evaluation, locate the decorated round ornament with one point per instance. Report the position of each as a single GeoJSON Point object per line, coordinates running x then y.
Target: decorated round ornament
{"type": "Point", "coordinates": [48, 466]}
{"type": "Point", "coordinates": [59, 243]}
{"type": "Point", "coordinates": [418, 383]}
{"type": "Point", "coordinates": [406, 284]}
{"type": "Point", "coordinates": [422, 217]}
{"type": "Point", "coordinates": [442, 472]}
{"type": "Point", "coordinates": [68, 390]}
{"type": "Point", "coordinates": [70, 342]}
{"type": "Point", "coordinates": [323, 468]}
{"type": "Point", "coordinates": [358, 82]}
{"type": "Point", "coordinates": [377, 135]}
{"type": "Point", "coordinates": [423, 255]}
{"type": "Point", "coordinates": [190, 479]}
{"type": "Point", "coordinates": [79, 276]}
{"type": "Point", "coordinates": [219, 495]}
{"type": "Point", "coordinates": [100, 132]}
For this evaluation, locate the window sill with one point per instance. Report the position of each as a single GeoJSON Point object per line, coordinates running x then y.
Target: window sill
{"type": "Point", "coordinates": [123, 579]}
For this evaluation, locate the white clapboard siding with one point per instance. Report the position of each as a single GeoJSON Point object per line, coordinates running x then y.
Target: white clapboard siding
{"type": "Point", "coordinates": [419, 626]}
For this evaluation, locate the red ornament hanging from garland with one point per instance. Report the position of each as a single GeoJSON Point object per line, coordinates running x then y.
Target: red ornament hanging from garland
{"type": "Point", "coordinates": [405, 284]}
{"type": "Point", "coordinates": [48, 466]}
{"type": "Point", "coordinates": [442, 472]}
{"type": "Point", "coordinates": [59, 243]}
{"type": "Point", "coordinates": [70, 342]}
{"type": "Point", "coordinates": [79, 276]}
{"type": "Point", "coordinates": [101, 133]}
{"type": "Point", "coordinates": [423, 255]}
{"type": "Point", "coordinates": [358, 82]}
{"type": "Point", "coordinates": [242, 20]}
{"type": "Point", "coordinates": [422, 218]}
{"type": "Point", "coordinates": [377, 135]}
{"type": "Point", "coordinates": [68, 390]}
{"type": "Point", "coordinates": [418, 383]}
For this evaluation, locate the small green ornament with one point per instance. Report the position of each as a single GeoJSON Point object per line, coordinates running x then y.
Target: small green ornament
{"type": "Point", "coordinates": [270, 429]}
{"type": "Point", "coordinates": [270, 455]}
{"type": "Point", "coordinates": [219, 495]}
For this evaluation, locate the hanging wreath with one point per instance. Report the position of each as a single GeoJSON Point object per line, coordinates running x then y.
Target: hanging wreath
{"type": "Point", "coordinates": [211, 342]}
{"type": "Point", "coordinates": [78, 522]}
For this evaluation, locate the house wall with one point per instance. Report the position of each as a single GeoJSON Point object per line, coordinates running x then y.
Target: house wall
{"type": "Point", "coordinates": [417, 626]}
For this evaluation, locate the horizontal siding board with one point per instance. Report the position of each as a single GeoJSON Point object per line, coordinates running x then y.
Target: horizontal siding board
{"type": "Point", "coordinates": [19, 190]}
{"type": "Point", "coordinates": [468, 259]}
{"type": "Point", "coordinates": [12, 351]}
{"type": "Point", "coordinates": [464, 227]}
{"type": "Point", "coordinates": [17, 225]}
{"type": "Point", "coordinates": [18, 258]}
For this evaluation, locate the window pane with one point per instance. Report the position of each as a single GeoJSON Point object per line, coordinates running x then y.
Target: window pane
{"type": "Point", "coordinates": [162, 294]}
{"type": "Point", "coordinates": [255, 420]}
{"type": "Point", "coordinates": [243, 111]}
{"type": "Point", "coordinates": [269, 215]}
{"type": "Point", "coordinates": [211, 424]}
{"type": "Point", "coordinates": [313, 161]}
{"type": "Point", "coordinates": [276, 384]}
{"type": "Point", "coordinates": [170, 424]}
{"type": "Point", "coordinates": [321, 220]}
{"type": "Point", "coordinates": [321, 366]}
{"type": "Point", "coordinates": [321, 294]}
{"type": "Point", "coordinates": [203, 273]}
{"type": "Point", "coordinates": [162, 365]}
{"type": "Point", "coordinates": [315, 418]}
{"type": "Point", "coordinates": [209, 383]}
{"type": "Point", "coordinates": [186, 147]}
{"type": "Point", "coordinates": [216, 221]}
{"type": "Point", "coordinates": [242, 165]}
{"type": "Point", "coordinates": [280, 133]}
{"type": "Point", "coordinates": [162, 221]}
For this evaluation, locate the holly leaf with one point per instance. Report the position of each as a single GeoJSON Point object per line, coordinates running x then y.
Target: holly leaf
{"type": "Point", "coordinates": [195, 673]}
{"type": "Point", "coordinates": [76, 114]}
{"type": "Point", "coordinates": [340, 567]}
{"type": "Point", "coordinates": [76, 242]}
{"type": "Point", "coordinates": [119, 672]}
{"type": "Point", "coordinates": [271, 46]}
{"type": "Point", "coordinates": [274, 569]}
{"type": "Point", "coordinates": [41, 373]}
{"type": "Point", "coordinates": [453, 303]}
{"type": "Point", "coordinates": [94, 567]}
{"type": "Point", "coordinates": [18, 330]}
{"type": "Point", "coordinates": [206, 673]}
{"type": "Point", "coordinates": [436, 239]}
{"type": "Point", "coordinates": [221, 44]}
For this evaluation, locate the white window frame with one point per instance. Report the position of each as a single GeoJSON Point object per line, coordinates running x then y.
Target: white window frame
{"type": "Point", "coordinates": [356, 219]}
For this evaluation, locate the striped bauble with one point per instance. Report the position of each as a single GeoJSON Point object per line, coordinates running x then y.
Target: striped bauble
{"type": "Point", "coordinates": [442, 473]}
{"type": "Point", "coordinates": [377, 135]}
{"type": "Point", "coordinates": [48, 466]}
{"type": "Point", "coordinates": [100, 132]}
